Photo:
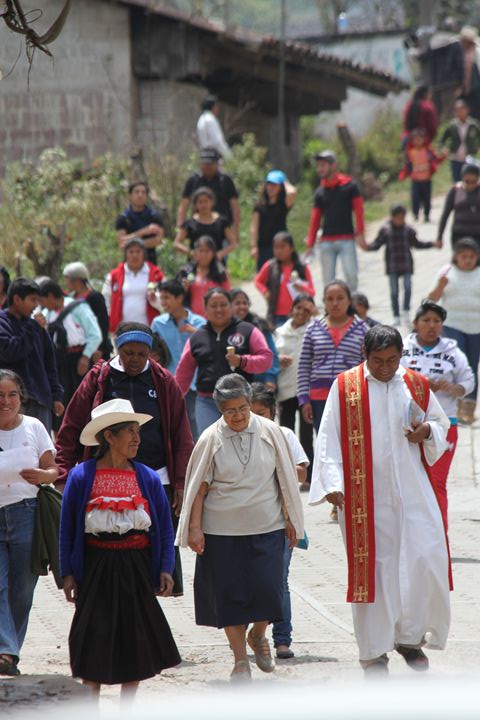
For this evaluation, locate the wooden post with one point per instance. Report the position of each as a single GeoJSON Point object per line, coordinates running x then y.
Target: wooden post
{"type": "Point", "coordinates": [348, 144]}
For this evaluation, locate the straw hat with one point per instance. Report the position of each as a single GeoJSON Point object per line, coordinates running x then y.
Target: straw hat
{"type": "Point", "coordinates": [110, 413]}
{"type": "Point", "coordinates": [469, 33]}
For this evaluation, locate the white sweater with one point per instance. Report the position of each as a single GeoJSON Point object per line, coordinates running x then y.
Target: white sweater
{"type": "Point", "coordinates": [445, 361]}
{"type": "Point", "coordinates": [461, 299]}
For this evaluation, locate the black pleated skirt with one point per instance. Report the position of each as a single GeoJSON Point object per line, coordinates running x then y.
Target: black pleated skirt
{"type": "Point", "coordinates": [239, 579]}
{"type": "Point", "coordinates": [119, 633]}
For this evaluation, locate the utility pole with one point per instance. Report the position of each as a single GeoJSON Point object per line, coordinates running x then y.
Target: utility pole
{"type": "Point", "coordinates": [281, 80]}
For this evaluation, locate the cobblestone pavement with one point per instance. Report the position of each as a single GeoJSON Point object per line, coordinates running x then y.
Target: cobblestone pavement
{"type": "Point", "coordinates": [324, 645]}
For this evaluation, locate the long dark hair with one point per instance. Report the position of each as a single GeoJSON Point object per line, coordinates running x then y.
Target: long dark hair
{"type": "Point", "coordinates": [216, 271]}
{"type": "Point", "coordinates": [264, 199]}
{"type": "Point", "coordinates": [297, 263]}
{"type": "Point", "coordinates": [411, 119]}
{"type": "Point", "coordinates": [344, 286]}
{"type": "Point", "coordinates": [261, 323]}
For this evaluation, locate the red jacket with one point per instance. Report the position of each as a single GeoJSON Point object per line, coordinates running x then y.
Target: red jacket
{"type": "Point", "coordinates": [176, 428]}
{"type": "Point", "coordinates": [117, 278]}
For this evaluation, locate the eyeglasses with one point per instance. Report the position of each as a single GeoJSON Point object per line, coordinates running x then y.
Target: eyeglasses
{"type": "Point", "coordinates": [231, 412]}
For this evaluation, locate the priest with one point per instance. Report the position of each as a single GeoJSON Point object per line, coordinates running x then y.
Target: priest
{"type": "Point", "coordinates": [381, 430]}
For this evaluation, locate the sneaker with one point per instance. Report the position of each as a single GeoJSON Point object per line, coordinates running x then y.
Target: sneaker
{"type": "Point", "coordinates": [396, 321]}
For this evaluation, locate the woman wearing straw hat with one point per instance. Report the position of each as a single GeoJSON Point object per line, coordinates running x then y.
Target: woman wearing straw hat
{"type": "Point", "coordinates": [116, 554]}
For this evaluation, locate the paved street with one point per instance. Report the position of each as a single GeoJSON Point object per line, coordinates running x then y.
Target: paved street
{"type": "Point", "coordinates": [323, 638]}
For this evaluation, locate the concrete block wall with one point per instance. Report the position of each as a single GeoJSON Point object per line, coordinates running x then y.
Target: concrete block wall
{"type": "Point", "coordinates": [82, 100]}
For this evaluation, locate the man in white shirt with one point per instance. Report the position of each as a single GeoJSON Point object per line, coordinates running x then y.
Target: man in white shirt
{"type": "Point", "coordinates": [209, 130]}
{"type": "Point", "coordinates": [381, 429]}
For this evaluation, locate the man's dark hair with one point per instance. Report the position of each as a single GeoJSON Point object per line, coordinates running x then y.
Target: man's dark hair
{"type": "Point", "coordinates": [133, 185]}
{"type": "Point", "coordinates": [209, 102]}
{"type": "Point", "coordinates": [471, 169]}
{"type": "Point", "coordinates": [21, 287]}
{"type": "Point", "coordinates": [50, 287]}
{"type": "Point", "coordinates": [132, 327]}
{"type": "Point", "coordinates": [172, 287]}
{"type": "Point", "coordinates": [397, 209]}
{"type": "Point", "coordinates": [361, 299]}
{"type": "Point", "coordinates": [381, 337]}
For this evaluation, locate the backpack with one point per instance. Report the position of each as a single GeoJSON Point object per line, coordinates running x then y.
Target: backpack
{"type": "Point", "coordinates": [56, 328]}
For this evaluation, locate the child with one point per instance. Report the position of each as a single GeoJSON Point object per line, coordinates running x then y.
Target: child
{"type": "Point", "coordinates": [204, 273]}
{"type": "Point", "coordinates": [281, 279]}
{"type": "Point", "coordinates": [421, 163]}
{"type": "Point", "coordinates": [362, 306]}
{"type": "Point", "coordinates": [399, 238]}
{"type": "Point", "coordinates": [205, 221]}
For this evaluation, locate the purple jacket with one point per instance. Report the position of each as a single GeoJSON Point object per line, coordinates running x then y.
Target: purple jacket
{"type": "Point", "coordinates": [321, 360]}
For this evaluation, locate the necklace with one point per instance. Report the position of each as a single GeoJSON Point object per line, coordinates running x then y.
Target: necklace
{"type": "Point", "coordinates": [244, 463]}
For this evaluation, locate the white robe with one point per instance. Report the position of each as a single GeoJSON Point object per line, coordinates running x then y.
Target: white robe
{"type": "Point", "coordinates": [412, 602]}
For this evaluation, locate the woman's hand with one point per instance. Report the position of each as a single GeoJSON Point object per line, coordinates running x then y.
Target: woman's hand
{"type": "Point", "coordinates": [285, 361]}
{"type": "Point", "coordinates": [307, 413]}
{"type": "Point", "coordinates": [336, 498]}
{"type": "Point", "coordinates": [196, 540]}
{"type": "Point", "coordinates": [58, 408]}
{"type": "Point", "coordinates": [290, 534]}
{"type": "Point", "coordinates": [177, 501]}
{"type": "Point", "coordinates": [233, 360]}
{"type": "Point", "coordinates": [70, 588]}
{"type": "Point", "coordinates": [82, 365]}
{"type": "Point", "coordinates": [35, 476]}
{"type": "Point", "coordinates": [166, 585]}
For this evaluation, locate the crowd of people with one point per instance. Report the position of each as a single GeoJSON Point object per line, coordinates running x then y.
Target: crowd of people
{"type": "Point", "coordinates": [170, 432]}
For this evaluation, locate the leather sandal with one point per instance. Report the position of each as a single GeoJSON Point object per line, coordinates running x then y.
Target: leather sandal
{"type": "Point", "coordinates": [414, 657]}
{"type": "Point", "coordinates": [263, 655]}
{"type": "Point", "coordinates": [8, 665]}
{"type": "Point", "coordinates": [241, 672]}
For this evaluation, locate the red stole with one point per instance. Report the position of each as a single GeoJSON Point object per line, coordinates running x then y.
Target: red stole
{"type": "Point", "coordinates": [357, 468]}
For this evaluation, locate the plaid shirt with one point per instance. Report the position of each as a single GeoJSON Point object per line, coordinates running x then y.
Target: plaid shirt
{"type": "Point", "coordinates": [398, 242]}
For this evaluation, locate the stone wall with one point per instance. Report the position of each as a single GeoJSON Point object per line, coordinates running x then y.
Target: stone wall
{"type": "Point", "coordinates": [82, 100]}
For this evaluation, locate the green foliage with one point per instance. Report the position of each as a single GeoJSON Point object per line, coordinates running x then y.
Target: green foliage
{"type": "Point", "coordinates": [379, 150]}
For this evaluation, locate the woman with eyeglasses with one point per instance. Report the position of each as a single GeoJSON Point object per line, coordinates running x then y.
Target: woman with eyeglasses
{"type": "Point", "coordinates": [241, 502]}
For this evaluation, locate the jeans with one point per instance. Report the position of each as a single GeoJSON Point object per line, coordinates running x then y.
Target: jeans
{"type": "Point", "coordinates": [318, 406]}
{"type": "Point", "coordinates": [17, 582]}
{"type": "Point", "coordinates": [330, 250]}
{"type": "Point", "coordinates": [190, 404]}
{"type": "Point", "coordinates": [206, 413]}
{"type": "Point", "coordinates": [282, 630]}
{"type": "Point", "coordinates": [421, 197]}
{"type": "Point", "coordinates": [470, 345]}
{"type": "Point", "coordinates": [394, 292]}
{"type": "Point", "coordinates": [456, 170]}
{"type": "Point", "coordinates": [287, 411]}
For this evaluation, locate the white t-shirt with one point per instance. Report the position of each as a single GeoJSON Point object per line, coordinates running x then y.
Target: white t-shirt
{"type": "Point", "coordinates": [134, 291]}
{"type": "Point", "coordinates": [461, 299]}
{"type": "Point", "coordinates": [22, 449]}
{"type": "Point", "coordinates": [299, 454]}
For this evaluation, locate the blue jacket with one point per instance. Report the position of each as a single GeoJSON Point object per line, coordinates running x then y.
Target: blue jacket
{"type": "Point", "coordinates": [165, 326]}
{"type": "Point", "coordinates": [26, 348]}
{"type": "Point", "coordinates": [72, 520]}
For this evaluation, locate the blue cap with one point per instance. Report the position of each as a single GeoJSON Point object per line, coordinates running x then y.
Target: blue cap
{"type": "Point", "coordinates": [276, 176]}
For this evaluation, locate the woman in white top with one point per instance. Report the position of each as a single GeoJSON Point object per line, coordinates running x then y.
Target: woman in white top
{"type": "Point", "coordinates": [288, 341]}
{"type": "Point", "coordinates": [458, 290]}
{"type": "Point", "coordinates": [450, 377]}
{"type": "Point", "coordinates": [26, 461]}
{"type": "Point", "coordinates": [232, 517]}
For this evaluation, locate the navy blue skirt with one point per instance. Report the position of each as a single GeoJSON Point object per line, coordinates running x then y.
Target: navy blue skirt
{"type": "Point", "coordinates": [239, 579]}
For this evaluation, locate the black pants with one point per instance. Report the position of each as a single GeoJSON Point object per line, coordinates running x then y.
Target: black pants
{"type": "Point", "coordinates": [421, 197]}
{"type": "Point", "coordinates": [177, 570]}
{"type": "Point", "coordinates": [287, 410]}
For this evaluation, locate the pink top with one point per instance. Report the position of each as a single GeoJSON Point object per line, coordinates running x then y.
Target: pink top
{"type": "Point", "coordinates": [285, 298]}
{"type": "Point", "coordinates": [199, 288]}
{"type": "Point", "coordinates": [259, 360]}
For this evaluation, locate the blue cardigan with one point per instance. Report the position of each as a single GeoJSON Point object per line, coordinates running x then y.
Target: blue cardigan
{"type": "Point", "coordinates": [72, 520]}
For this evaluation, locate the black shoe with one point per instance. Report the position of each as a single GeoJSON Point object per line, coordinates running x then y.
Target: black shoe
{"type": "Point", "coordinates": [414, 657]}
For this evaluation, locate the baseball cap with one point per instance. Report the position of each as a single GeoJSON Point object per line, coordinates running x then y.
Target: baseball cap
{"type": "Point", "coordinates": [327, 155]}
{"type": "Point", "coordinates": [276, 177]}
{"type": "Point", "coordinates": [209, 154]}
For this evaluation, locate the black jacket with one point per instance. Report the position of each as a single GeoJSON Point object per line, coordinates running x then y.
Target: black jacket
{"type": "Point", "coordinates": [209, 349]}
